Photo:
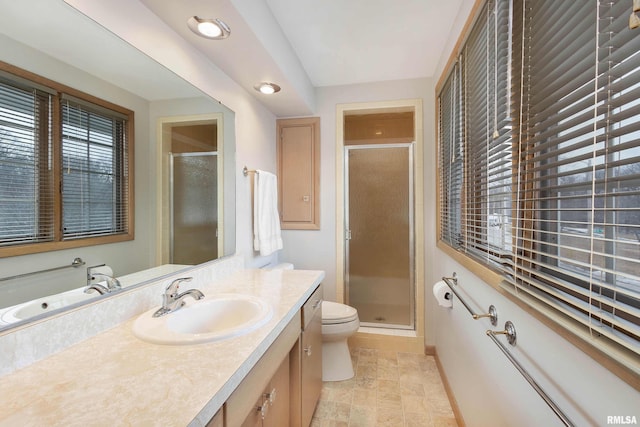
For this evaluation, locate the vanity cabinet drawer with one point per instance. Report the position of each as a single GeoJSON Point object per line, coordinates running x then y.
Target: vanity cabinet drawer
{"type": "Point", "coordinates": [312, 307]}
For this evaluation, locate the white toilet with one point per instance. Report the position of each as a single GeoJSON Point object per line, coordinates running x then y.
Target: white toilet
{"type": "Point", "coordinates": [339, 322]}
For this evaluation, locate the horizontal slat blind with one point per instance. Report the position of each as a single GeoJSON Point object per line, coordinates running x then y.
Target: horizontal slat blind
{"type": "Point", "coordinates": [94, 175]}
{"type": "Point", "coordinates": [545, 188]}
{"type": "Point", "coordinates": [488, 134]}
{"type": "Point", "coordinates": [451, 158]}
{"type": "Point", "coordinates": [580, 166]}
{"type": "Point", "coordinates": [26, 172]}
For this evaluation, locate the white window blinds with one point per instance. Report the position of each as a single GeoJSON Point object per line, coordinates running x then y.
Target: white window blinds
{"type": "Point", "coordinates": [94, 171]}
{"type": "Point", "coordinates": [26, 171]}
{"type": "Point", "coordinates": [578, 228]}
{"type": "Point", "coordinates": [450, 158]}
{"type": "Point", "coordinates": [549, 116]}
{"type": "Point", "coordinates": [487, 136]}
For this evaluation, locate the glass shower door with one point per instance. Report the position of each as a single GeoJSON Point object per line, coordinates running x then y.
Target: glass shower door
{"type": "Point", "coordinates": [194, 207]}
{"type": "Point", "coordinates": [379, 242]}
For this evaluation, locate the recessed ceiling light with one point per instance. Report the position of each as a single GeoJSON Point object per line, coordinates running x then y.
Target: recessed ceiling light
{"type": "Point", "coordinates": [214, 29]}
{"type": "Point", "coordinates": [267, 88]}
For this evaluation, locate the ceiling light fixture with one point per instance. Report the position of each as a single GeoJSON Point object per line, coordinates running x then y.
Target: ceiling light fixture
{"type": "Point", "coordinates": [267, 88]}
{"type": "Point", "coordinates": [214, 29]}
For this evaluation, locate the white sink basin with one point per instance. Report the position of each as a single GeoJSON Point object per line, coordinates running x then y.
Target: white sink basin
{"type": "Point", "coordinates": [210, 319]}
{"type": "Point", "coordinates": [45, 305]}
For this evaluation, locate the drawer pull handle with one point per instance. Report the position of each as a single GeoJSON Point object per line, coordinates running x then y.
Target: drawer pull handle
{"type": "Point", "coordinates": [317, 303]}
{"type": "Point", "coordinates": [271, 396]}
{"type": "Point", "coordinates": [263, 409]}
{"type": "Point", "coordinates": [307, 350]}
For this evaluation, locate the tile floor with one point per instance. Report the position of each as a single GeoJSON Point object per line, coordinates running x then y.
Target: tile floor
{"type": "Point", "coordinates": [389, 389]}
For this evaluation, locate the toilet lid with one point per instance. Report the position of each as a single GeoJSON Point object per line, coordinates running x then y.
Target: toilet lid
{"type": "Point", "coordinates": [333, 312]}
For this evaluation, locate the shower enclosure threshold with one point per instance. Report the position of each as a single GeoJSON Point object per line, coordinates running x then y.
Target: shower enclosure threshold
{"type": "Point", "coordinates": [387, 331]}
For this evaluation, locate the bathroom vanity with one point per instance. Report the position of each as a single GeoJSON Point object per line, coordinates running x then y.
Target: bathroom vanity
{"type": "Point", "coordinates": [114, 378]}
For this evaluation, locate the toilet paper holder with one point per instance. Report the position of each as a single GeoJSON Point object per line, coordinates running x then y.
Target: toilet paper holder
{"type": "Point", "coordinates": [492, 313]}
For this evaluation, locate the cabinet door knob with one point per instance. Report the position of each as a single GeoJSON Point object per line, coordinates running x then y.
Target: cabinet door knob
{"type": "Point", "coordinates": [307, 350]}
{"type": "Point", "coordinates": [317, 303]}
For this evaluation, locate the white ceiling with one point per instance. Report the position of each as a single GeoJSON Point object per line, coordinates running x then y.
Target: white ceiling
{"type": "Point", "coordinates": [345, 42]}
{"type": "Point", "coordinates": [304, 44]}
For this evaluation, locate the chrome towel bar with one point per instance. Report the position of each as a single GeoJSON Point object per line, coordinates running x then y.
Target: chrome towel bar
{"type": "Point", "coordinates": [246, 171]}
{"type": "Point", "coordinates": [492, 312]}
{"type": "Point", "coordinates": [77, 262]}
{"type": "Point", "coordinates": [510, 332]}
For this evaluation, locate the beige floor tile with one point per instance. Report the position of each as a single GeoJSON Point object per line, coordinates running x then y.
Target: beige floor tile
{"type": "Point", "coordinates": [389, 401]}
{"type": "Point", "coordinates": [389, 389]}
{"type": "Point", "coordinates": [388, 372]}
{"type": "Point", "coordinates": [344, 395]}
{"type": "Point", "coordinates": [364, 397]}
{"type": "Point", "coordinates": [366, 382]}
{"type": "Point", "coordinates": [387, 417]}
{"type": "Point", "coordinates": [388, 385]}
{"type": "Point", "coordinates": [366, 371]}
{"type": "Point", "coordinates": [388, 355]}
{"type": "Point", "coordinates": [388, 362]}
{"type": "Point", "coordinates": [417, 420]}
{"type": "Point", "coordinates": [415, 404]}
{"type": "Point", "coordinates": [362, 417]}
{"type": "Point", "coordinates": [367, 358]}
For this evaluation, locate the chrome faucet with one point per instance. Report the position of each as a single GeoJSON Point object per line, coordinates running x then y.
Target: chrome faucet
{"type": "Point", "coordinates": [172, 300]}
{"type": "Point", "coordinates": [113, 284]}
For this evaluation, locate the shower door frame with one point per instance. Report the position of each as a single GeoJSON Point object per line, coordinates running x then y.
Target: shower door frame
{"type": "Point", "coordinates": [412, 247]}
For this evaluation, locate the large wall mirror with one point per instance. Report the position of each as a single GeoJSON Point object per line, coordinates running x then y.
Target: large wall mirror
{"type": "Point", "coordinates": [178, 129]}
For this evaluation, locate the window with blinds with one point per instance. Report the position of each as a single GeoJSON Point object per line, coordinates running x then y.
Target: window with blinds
{"type": "Point", "coordinates": [64, 167]}
{"type": "Point", "coordinates": [550, 189]}
{"type": "Point", "coordinates": [94, 171]}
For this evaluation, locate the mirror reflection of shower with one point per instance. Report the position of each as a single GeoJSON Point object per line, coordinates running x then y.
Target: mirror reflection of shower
{"type": "Point", "coordinates": [194, 207]}
{"type": "Point", "coordinates": [192, 212]}
{"type": "Point", "coordinates": [379, 218]}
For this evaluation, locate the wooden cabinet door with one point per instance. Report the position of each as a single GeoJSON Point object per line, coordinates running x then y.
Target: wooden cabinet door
{"type": "Point", "coordinates": [298, 152]}
{"type": "Point", "coordinates": [311, 367]}
{"type": "Point", "coordinates": [217, 420]}
{"type": "Point", "coordinates": [254, 419]}
{"type": "Point", "coordinates": [277, 394]}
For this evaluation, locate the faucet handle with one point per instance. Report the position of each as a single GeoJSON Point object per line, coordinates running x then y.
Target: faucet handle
{"type": "Point", "coordinates": [90, 270]}
{"type": "Point", "coordinates": [172, 289]}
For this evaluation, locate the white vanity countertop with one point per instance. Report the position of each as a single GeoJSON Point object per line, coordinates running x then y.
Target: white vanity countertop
{"type": "Point", "coordinates": [116, 379]}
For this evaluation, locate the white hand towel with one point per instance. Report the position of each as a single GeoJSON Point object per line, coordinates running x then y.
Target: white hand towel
{"type": "Point", "coordinates": [266, 221]}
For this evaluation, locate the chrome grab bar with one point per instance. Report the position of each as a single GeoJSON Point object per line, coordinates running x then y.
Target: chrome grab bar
{"type": "Point", "coordinates": [77, 262]}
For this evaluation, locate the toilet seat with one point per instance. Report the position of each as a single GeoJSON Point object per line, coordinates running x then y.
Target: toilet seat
{"type": "Point", "coordinates": [336, 313]}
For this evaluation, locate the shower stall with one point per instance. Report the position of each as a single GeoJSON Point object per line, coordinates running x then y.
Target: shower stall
{"type": "Point", "coordinates": [379, 243]}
